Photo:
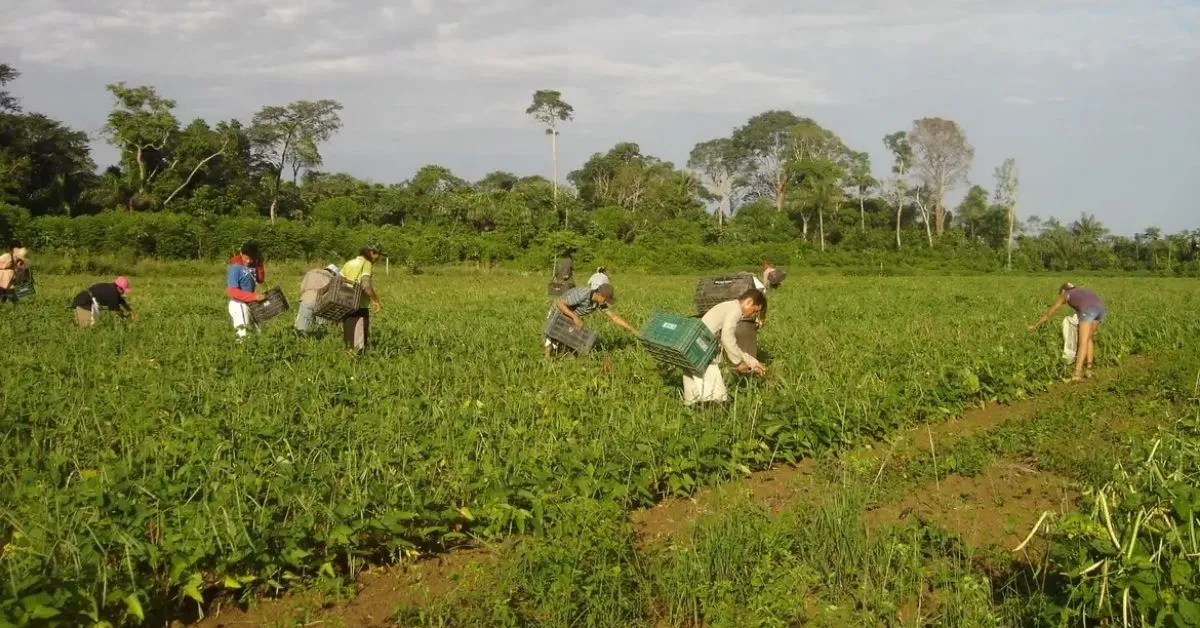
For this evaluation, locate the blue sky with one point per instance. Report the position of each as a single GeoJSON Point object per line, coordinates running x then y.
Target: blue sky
{"type": "Point", "coordinates": [1096, 100]}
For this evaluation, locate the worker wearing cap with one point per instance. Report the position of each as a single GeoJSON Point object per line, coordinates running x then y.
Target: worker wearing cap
{"type": "Point", "coordinates": [311, 285]}
{"type": "Point", "coordinates": [110, 295]}
{"type": "Point", "coordinates": [581, 301]}
{"type": "Point", "coordinates": [11, 263]}
{"type": "Point", "coordinates": [356, 327]}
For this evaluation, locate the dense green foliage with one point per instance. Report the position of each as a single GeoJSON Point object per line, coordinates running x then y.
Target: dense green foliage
{"type": "Point", "coordinates": [156, 462]}
{"type": "Point", "coordinates": [183, 190]}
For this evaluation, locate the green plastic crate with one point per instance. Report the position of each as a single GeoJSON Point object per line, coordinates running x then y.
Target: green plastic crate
{"type": "Point", "coordinates": [679, 341]}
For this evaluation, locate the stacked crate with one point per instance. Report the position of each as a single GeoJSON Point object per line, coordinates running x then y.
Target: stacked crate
{"type": "Point", "coordinates": [715, 290]}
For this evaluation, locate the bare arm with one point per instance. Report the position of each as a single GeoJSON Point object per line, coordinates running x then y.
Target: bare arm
{"type": "Point", "coordinates": [1050, 312]}
{"type": "Point", "coordinates": [369, 290]}
{"type": "Point", "coordinates": [616, 318]}
{"type": "Point", "coordinates": [562, 307]}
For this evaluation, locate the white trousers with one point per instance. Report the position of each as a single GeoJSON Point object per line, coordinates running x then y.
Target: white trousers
{"type": "Point", "coordinates": [239, 313]}
{"type": "Point", "coordinates": [707, 387]}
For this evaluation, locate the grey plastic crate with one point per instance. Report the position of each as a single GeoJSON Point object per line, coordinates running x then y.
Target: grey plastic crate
{"type": "Point", "coordinates": [560, 329]}
{"type": "Point", "coordinates": [714, 290]}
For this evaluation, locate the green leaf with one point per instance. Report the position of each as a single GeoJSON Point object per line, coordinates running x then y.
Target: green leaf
{"type": "Point", "coordinates": [1181, 572]}
{"type": "Point", "coordinates": [1189, 612]}
{"type": "Point", "coordinates": [192, 588]}
{"type": "Point", "coordinates": [42, 612]}
{"type": "Point", "coordinates": [133, 606]}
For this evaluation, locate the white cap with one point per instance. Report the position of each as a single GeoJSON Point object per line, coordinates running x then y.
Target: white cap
{"type": "Point", "coordinates": [332, 268]}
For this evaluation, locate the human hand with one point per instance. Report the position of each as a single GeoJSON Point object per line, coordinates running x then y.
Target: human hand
{"type": "Point", "coordinates": [376, 306]}
{"type": "Point", "coordinates": [578, 322]}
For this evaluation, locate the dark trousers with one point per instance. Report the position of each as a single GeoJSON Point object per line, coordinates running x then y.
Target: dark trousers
{"type": "Point", "coordinates": [8, 294]}
{"type": "Point", "coordinates": [356, 329]}
{"type": "Point", "coordinates": [747, 337]}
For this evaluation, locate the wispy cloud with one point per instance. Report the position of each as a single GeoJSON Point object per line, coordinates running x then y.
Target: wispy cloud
{"type": "Point", "coordinates": [465, 66]}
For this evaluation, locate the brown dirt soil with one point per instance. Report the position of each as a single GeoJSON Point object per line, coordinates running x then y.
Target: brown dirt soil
{"type": "Point", "coordinates": [999, 507]}
{"type": "Point", "coordinates": [781, 487]}
{"type": "Point", "coordinates": [378, 593]}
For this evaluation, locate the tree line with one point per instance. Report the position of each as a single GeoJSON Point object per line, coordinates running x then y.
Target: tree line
{"type": "Point", "coordinates": [780, 181]}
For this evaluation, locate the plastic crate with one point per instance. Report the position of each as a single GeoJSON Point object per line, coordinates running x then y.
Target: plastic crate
{"type": "Point", "coordinates": [560, 329]}
{"type": "Point", "coordinates": [714, 290]}
{"type": "Point", "coordinates": [23, 286]}
{"type": "Point", "coordinates": [679, 341]}
{"type": "Point", "coordinates": [270, 307]}
{"type": "Point", "coordinates": [338, 299]}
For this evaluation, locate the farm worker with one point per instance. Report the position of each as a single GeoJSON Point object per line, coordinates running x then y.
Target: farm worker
{"type": "Point", "coordinates": [564, 272]}
{"type": "Point", "coordinates": [1091, 311]}
{"type": "Point", "coordinates": [110, 295]}
{"type": "Point", "coordinates": [242, 277]}
{"type": "Point", "coordinates": [581, 301]}
{"type": "Point", "coordinates": [599, 278]}
{"type": "Point", "coordinates": [356, 328]}
{"type": "Point", "coordinates": [723, 320]}
{"type": "Point", "coordinates": [10, 263]}
{"type": "Point", "coordinates": [310, 286]}
{"type": "Point", "coordinates": [772, 276]}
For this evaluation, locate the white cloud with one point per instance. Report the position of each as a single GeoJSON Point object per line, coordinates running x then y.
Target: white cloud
{"type": "Point", "coordinates": [469, 65]}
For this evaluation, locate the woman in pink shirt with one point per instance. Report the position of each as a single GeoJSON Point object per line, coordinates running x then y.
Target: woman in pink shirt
{"type": "Point", "coordinates": [1091, 311]}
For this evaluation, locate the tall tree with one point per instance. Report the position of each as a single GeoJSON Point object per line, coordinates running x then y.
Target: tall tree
{"type": "Point", "coordinates": [943, 158]}
{"type": "Point", "coordinates": [815, 165]}
{"type": "Point", "coordinates": [762, 139]}
{"type": "Point", "coordinates": [199, 145]}
{"type": "Point", "coordinates": [902, 159]}
{"type": "Point", "coordinates": [8, 102]}
{"type": "Point", "coordinates": [1006, 197]}
{"type": "Point", "coordinates": [973, 209]}
{"type": "Point", "coordinates": [858, 176]}
{"type": "Point", "coordinates": [275, 133]}
{"type": "Point", "coordinates": [720, 164]}
{"type": "Point", "coordinates": [549, 108]}
{"type": "Point", "coordinates": [140, 125]}
{"type": "Point", "coordinates": [921, 198]}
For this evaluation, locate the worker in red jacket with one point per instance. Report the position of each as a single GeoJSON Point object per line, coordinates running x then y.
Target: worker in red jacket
{"type": "Point", "coordinates": [245, 272]}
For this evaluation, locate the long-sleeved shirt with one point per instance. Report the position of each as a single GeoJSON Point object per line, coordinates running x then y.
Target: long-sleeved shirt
{"type": "Point", "coordinates": [242, 278]}
{"type": "Point", "coordinates": [722, 321]}
{"type": "Point", "coordinates": [106, 295]}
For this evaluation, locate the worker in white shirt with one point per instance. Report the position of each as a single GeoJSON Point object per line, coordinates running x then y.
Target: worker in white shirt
{"type": "Point", "coordinates": [599, 278]}
{"type": "Point", "coordinates": [722, 320]}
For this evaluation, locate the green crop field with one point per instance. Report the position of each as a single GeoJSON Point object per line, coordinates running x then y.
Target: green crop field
{"type": "Point", "coordinates": [151, 466]}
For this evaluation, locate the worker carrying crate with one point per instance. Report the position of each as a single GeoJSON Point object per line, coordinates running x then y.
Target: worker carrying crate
{"type": "Point", "coordinates": [681, 342]}
{"type": "Point", "coordinates": [573, 305]}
